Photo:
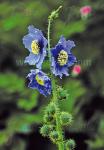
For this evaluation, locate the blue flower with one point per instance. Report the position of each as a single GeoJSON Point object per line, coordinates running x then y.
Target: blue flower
{"type": "Point", "coordinates": [62, 58]}
{"type": "Point", "coordinates": [40, 81]}
{"type": "Point", "coordinates": [36, 43]}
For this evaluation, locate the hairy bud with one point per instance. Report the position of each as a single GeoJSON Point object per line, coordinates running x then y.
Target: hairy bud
{"type": "Point", "coordinates": [46, 129]}
{"type": "Point", "coordinates": [51, 109]}
{"type": "Point", "coordinates": [54, 136]}
{"type": "Point", "coordinates": [65, 118]}
{"type": "Point", "coordinates": [70, 144]}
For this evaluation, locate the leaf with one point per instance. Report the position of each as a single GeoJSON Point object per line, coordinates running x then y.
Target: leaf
{"type": "Point", "coordinates": [29, 103]}
{"type": "Point", "coordinates": [75, 90]}
{"type": "Point", "coordinates": [11, 82]}
{"type": "Point", "coordinates": [19, 123]}
{"type": "Point", "coordinates": [68, 29]}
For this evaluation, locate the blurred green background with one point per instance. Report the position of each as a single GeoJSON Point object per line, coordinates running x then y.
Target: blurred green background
{"type": "Point", "coordinates": [21, 109]}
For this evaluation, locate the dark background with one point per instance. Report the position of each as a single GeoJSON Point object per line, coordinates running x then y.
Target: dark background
{"type": "Point", "coordinates": [21, 109]}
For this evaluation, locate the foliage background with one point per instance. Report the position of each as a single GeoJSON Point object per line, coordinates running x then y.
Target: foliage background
{"type": "Point", "coordinates": [21, 109]}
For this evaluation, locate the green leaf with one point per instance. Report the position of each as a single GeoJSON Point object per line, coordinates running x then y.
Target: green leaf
{"type": "Point", "coordinates": [68, 29]}
{"type": "Point", "coordinates": [11, 82]}
{"type": "Point", "coordinates": [29, 103]}
{"type": "Point", "coordinates": [75, 90]}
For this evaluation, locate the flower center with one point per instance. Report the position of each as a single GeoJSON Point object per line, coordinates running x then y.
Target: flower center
{"type": "Point", "coordinates": [39, 80]}
{"type": "Point", "coordinates": [35, 47]}
{"type": "Point", "coordinates": [62, 57]}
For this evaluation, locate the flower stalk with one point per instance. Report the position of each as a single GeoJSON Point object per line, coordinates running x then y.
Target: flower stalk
{"type": "Point", "coordinates": [60, 142]}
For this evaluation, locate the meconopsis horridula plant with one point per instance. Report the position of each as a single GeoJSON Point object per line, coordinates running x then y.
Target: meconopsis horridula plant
{"type": "Point", "coordinates": [60, 58]}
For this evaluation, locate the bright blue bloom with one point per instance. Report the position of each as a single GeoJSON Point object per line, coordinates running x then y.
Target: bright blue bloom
{"type": "Point", "coordinates": [40, 81]}
{"type": "Point", "coordinates": [36, 43]}
{"type": "Point", "coordinates": [62, 58]}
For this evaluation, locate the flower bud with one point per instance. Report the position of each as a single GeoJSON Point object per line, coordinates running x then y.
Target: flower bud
{"type": "Point", "coordinates": [46, 129]}
{"type": "Point", "coordinates": [63, 94]}
{"type": "Point", "coordinates": [70, 144]}
{"type": "Point", "coordinates": [51, 109]}
{"type": "Point", "coordinates": [85, 11]}
{"type": "Point", "coordinates": [76, 70]}
{"type": "Point", "coordinates": [54, 136]}
{"type": "Point", "coordinates": [65, 118]}
{"type": "Point", "coordinates": [48, 118]}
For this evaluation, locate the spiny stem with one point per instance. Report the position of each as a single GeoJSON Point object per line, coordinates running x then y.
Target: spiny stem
{"type": "Point", "coordinates": [60, 143]}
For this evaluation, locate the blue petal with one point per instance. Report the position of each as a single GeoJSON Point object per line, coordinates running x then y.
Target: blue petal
{"type": "Point", "coordinates": [27, 41]}
{"type": "Point", "coordinates": [41, 59]}
{"type": "Point", "coordinates": [55, 51]}
{"type": "Point", "coordinates": [34, 31]}
{"type": "Point", "coordinates": [71, 60]}
{"type": "Point", "coordinates": [62, 41]}
{"type": "Point", "coordinates": [68, 45]}
{"type": "Point", "coordinates": [32, 59]}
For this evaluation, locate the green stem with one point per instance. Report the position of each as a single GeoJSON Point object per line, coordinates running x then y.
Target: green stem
{"type": "Point", "coordinates": [60, 143]}
{"type": "Point", "coordinates": [49, 47]}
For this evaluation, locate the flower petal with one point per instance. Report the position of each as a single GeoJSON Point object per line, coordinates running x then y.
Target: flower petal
{"type": "Point", "coordinates": [32, 59]}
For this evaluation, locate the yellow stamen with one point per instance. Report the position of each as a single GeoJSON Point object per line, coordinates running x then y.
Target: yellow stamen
{"type": "Point", "coordinates": [62, 57]}
{"type": "Point", "coordinates": [35, 47]}
{"type": "Point", "coordinates": [39, 80]}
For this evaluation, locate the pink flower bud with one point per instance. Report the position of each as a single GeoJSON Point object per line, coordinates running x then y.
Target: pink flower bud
{"type": "Point", "coordinates": [85, 10]}
{"type": "Point", "coordinates": [76, 70]}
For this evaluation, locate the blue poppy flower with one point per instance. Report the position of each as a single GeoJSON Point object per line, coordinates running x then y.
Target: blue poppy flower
{"type": "Point", "coordinates": [62, 58]}
{"type": "Point", "coordinates": [40, 81]}
{"type": "Point", "coordinates": [36, 43]}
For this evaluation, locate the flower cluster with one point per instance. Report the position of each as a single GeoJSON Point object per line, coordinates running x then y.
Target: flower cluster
{"type": "Point", "coordinates": [61, 59]}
